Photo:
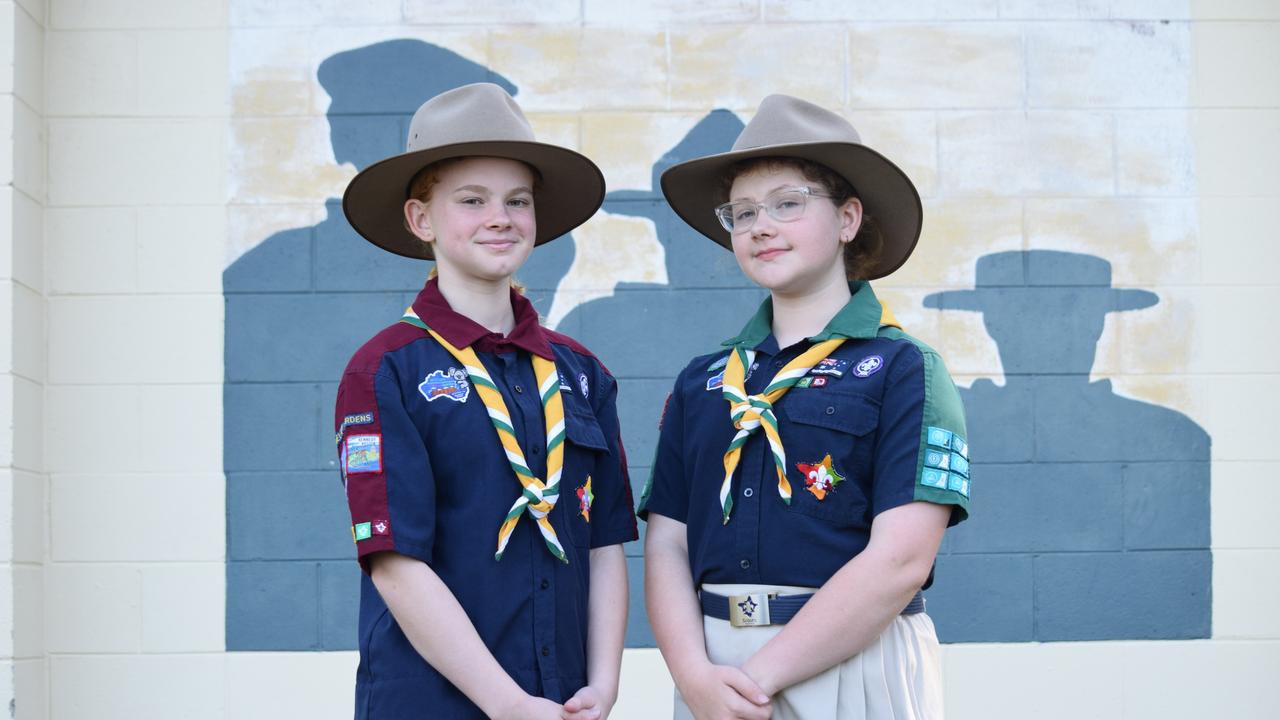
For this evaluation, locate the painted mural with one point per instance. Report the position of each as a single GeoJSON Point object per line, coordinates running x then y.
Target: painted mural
{"type": "Point", "coordinates": [1091, 509]}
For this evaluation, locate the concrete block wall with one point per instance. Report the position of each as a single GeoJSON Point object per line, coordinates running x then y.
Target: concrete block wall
{"type": "Point", "coordinates": [23, 308]}
{"type": "Point", "coordinates": [165, 461]}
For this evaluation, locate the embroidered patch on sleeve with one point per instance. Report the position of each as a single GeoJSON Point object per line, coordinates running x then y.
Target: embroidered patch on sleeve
{"type": "Point", "coordinates": [349, 420]}
{"type": "Point", "coordinates": [718, 364]}
{"type": "Point", "coordinates": [363, 454]}
{"type": "Point", "coordinates": [946, 463]}
{"type": "Point", "coordinates": [361, 531]}
{"type": "Point", "coordinates": [451, 383]}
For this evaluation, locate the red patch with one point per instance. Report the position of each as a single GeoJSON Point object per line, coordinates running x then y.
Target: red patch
{"type": "Point", "coordinates": [819, 382]}
{"type": "Point", "coordinates": [380, 527]}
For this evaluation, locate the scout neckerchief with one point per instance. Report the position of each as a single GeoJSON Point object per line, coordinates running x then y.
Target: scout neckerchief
{"type": "Point", "coordinates": [753, 412]}
{"type": "Point", "coordinates": [537, 498]}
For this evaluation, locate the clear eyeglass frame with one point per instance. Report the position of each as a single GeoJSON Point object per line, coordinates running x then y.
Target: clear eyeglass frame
{"type": "Point", "coordinates": [783, 205]}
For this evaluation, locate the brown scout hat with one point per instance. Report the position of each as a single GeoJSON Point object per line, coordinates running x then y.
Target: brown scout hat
{"type": "Point", "coordinates": [479, 120]}
{"type": "Point", "coordinates": [789, 127]}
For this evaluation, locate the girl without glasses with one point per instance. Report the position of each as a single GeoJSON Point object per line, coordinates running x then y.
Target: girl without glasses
{"type": "Point", "coordinates": [806, 471]}
{"type": "Point", "coordinates": [480, 451]}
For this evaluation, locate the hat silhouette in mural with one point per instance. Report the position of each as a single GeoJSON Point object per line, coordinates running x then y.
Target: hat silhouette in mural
{"type": "Point", "coordinates": [297, 306]}
{"type": "Point", "coordinates": [1091, 503]}
{"type": "Point", "coordinates": [1044, 308]}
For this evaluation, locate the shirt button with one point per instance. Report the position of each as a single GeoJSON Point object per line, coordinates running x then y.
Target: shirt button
{"type": "Point", "coordinates": [831, 410]}
{"type": "Point", "coordinates": [777, 363]}
{"type": "Point", "coordinates": [519, 388]}
{"type": "Point", "coordinates": [545, 651]}
{"type": "Point", "coordinates": [545, 583]}
{"type": "Point", "coordinates": [744, 564]}
{"type": "Point", "coordinates": [536, 450]}
{"type": "Point", "coordinates": [748, 492]}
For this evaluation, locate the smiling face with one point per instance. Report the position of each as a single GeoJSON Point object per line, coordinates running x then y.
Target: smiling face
{"type": "Point", "coordinates": [795, 257]}
{"type": "Point", "coordinates": [478, 217]}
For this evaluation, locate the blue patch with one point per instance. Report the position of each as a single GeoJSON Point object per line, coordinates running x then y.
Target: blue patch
{"type": "Point", "coordinates": [940, 438]}
{"type": "Point", "coordinates": [868, 366]}
{"type": "Point", "coordinates": [937, 459]}
{"type": "Point", "coordinates": [564, 383]}
{"type": "Point", "coordinates": [959, 464]}
{"type": "Point", "coordinates": [363, 454]}
{"type": "Point", "coordinates": [958, 444]}
{"type": "Point", "coordinates": [964, 487]}
{"type": "Point", "coordinates": [718, 364]}
{"type": "Point", "coordinates": [715, 382]}
{"type": "Point", "coordinates": [956, 482]}
{"type": "Point", "coordinates": [451, 383]}
{"type": "Point", "coordinates": [830, 366]}
{"type": "Point", "coordinates": [934, 478]}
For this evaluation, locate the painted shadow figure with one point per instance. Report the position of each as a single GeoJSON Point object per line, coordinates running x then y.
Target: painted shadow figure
{"type": "Point", "coordinates": [646, 332]}
{"type": "Point", "coordinates": [297, 306]}
{"type": "Point", "coordinates": [1093, 519]}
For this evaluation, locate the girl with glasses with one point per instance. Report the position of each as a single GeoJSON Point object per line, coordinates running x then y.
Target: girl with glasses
{"type": "Point", "coordinates": [806, 471]}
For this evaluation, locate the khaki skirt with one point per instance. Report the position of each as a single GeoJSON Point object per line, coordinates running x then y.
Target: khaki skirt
{"type": "Point", "coordinates": [897, 677]}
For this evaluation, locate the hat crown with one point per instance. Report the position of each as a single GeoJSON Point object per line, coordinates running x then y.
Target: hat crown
{"type": "Point", "coordinates": [786, 120]}
{"type": "Point", "coordinates": [1027, 268]}
{"type": "Point", "coordinates": [480, 112]}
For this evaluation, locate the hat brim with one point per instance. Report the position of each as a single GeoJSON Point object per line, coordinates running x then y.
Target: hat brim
{"type": "Point", "coordinates": [977, 299]}
{"type": "Point", "coordinates": [570, 191]}
{"type": "Point", "coordinates": [692, 189]}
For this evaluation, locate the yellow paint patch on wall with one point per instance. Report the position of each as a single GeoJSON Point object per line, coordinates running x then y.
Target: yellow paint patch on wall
{"type": "Point", "coordinates": [1158, 340]}
{"type": "Point", "coordinates": [627, 144]}
{"type": "Point", "coordinates": [249, 225]}
{"type": "Point", "coordinates": [1148, 242]}
{"type": "Point", "coordinates": [936, 66]}
{"type": "Point", "coordinates": [958, 231]}
{"type": "Point", "coordinates": [284, 160]}
{"type": "Point", "coordinates": [735, 67]}
{"type": "Point", "coordinates": [558, 68]}
{"type": "Point", "coordinates": [909, 139]}
{"type": "Point", "coordinates": [271, 91]}
{"type": "Point", "coordinates": [609, 249]}
{"type": "Point", "coordinates": [557, 129]}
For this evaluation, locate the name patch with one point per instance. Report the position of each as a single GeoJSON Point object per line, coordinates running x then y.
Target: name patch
{"type": "Point", "coordinates": [451, 383]}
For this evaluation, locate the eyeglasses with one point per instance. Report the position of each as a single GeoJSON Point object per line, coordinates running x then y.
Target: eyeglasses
{"type": "Point", "coordinates": [783, 205]}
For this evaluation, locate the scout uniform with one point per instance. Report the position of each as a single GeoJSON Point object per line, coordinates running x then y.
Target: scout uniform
{"type": "Point", "coordinates": [778, 460]}
{"type": "Point", "coordinates": [495, 459]}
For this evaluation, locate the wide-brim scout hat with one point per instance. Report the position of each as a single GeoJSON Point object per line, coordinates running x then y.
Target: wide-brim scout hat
{"type": "Point", "coordinates": [479, 120]}
{"type": "Point", "coordinates": [789, 127]}
{"type": "Point", "coordinates": [1046, 271]}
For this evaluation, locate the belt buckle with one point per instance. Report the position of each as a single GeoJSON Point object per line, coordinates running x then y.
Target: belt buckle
{"type": "Point", "coordinates": [750, 610]}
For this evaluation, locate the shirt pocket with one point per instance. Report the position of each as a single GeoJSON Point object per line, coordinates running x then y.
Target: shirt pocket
{"type": "Point", "coordinates": [828, 437]}
{"type": "Point", "coordinates": [584, 445]}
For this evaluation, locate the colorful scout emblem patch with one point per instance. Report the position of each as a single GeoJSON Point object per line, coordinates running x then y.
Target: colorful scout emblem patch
{"type": "Point", "coordinates": [820, 478]}
{"type": "Point", "coordinates": [585, 498]}
{"type": "Point", "coordinates": [868, 366]}
{"type": "Point", "coordinates": [363, 454]}
{"type": "Point", "coordinates": [451, 383]}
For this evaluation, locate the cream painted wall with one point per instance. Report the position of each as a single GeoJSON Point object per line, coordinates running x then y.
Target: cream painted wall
{"type": "Point", "coordinates": [110, 397]}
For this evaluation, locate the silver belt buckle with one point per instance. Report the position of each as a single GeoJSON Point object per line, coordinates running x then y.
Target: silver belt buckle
{"type": "Point", "coordinates": [749, 610]}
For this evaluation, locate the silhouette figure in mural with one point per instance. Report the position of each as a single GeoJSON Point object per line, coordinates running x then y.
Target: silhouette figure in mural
{"type": "Point", "coordinates": [1093, 519]}
{"type": "Point", "coordinates": [646, 332]}
{"type": "Point", "coordinates": [297, 306]}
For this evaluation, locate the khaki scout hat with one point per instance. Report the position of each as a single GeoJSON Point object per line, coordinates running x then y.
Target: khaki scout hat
{"type": "Point", "coordinates": [479, 120]}
{"type": "Point", "coordinates": [788, 127]}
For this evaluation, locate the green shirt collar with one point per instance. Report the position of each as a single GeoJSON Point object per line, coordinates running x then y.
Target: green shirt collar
{"type": "Point", "coordinates": [859, 318]}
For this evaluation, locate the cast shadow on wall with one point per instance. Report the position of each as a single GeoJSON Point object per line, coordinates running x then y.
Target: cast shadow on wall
{"type": "Point", "coordinates": [297, 306]}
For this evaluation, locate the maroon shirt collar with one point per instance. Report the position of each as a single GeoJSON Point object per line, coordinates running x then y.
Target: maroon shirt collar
{"type": "Point", "coordinates": [461, 330]}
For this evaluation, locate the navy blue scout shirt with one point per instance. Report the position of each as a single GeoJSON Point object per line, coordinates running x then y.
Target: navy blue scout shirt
{"type": "Point", "coordinates": [426, 477]}
{"type": "Point", "coordinates": [876, 425]}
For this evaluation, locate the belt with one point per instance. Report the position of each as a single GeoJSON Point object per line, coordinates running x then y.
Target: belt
{"type": "Point", "coordinates": [756, 609]}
